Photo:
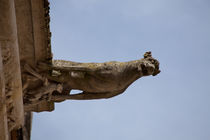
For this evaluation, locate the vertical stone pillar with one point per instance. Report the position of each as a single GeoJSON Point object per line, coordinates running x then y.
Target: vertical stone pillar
{"type": "Point", "coordinates": [3, 112]}
{"type": "Point", "coordinates": [11, 64]}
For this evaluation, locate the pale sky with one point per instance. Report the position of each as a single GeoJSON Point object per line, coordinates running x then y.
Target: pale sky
{"type": "Point", "coordinates": [174, 105]}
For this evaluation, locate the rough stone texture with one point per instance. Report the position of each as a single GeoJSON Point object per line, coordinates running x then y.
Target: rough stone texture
{"type": "Point", "coordinates": [33, 31]}
{"type": "Point", "coordinates": [25, 31]}
{"type": "Point", "coordinates": [34, 44]}
{"type": "Point", "coordinates": [3, 112]}
{"type": "Point", "coordinates": [24, 39]}
{"type": "Point", "coordinates": [11, 64]}
{"type": "Point", "coordinates": [26, 130]}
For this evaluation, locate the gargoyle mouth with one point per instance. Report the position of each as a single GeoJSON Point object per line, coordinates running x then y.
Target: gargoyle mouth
{"type": "Point", "coordinates": [156, 72]}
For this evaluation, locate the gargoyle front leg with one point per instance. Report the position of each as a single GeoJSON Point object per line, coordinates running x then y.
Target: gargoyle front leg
{"type": "Point", "coordinates": [86, 96]}
{"type": "Point", "coordinates": [80, 96]}
{"type": "Point", "coordinates": [43, 93]}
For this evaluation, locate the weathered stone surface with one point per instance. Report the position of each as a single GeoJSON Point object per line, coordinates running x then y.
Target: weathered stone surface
{"type": "Point", "coordinates": [26, 130]}
{"type": "Point", "coordinates": [34, 44]}
{"type": "Point", "coordinates": [25, 31]}
{"type": "Point", "coordinates": [99, 80]}
{"type": "Point", "coordinates": [3, 112]}
{"type": "Point", "coordinates": [29, 21]}
{"type": "Point", "coordinates": [11, 64]}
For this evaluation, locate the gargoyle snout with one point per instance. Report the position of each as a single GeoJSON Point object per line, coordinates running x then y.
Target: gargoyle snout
{"type": "Point", "coordinates": [156, 70]}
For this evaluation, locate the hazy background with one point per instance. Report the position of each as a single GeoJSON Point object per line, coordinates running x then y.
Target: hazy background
{"type": "Point", "coordinates": [175, 105]}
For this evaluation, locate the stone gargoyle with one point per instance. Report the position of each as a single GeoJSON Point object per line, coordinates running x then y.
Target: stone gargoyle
{"type": "Point", "coordinates": [98, 80]}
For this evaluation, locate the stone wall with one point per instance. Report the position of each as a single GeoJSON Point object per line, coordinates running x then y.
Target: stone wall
{"type": "Point", "coordinates": [24, 39]}
{"type": "Point", "coordinates": [11, 64]}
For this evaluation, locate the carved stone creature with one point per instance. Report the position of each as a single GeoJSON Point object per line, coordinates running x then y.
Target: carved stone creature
{"type": "Point", "coordinates": [98, 80]}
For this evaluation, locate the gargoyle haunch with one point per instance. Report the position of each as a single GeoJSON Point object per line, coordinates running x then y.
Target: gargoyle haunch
{"type": "Point", "coordinates": [98, 80]}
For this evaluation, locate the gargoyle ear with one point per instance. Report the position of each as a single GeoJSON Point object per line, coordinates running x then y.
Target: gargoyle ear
{"type": "Point", "coordinates": [148, 54]}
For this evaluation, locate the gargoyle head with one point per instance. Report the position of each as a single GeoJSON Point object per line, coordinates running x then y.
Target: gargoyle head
{"type": "Point", "coordinates": [155, 70]}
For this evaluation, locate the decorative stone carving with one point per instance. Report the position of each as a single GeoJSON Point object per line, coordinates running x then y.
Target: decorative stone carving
{"type": "Point", "coordinates": [98, 80]}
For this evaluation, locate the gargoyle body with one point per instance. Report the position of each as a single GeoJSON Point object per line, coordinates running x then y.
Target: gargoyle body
{"type": "Point", "coordinates": [99, 80]}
